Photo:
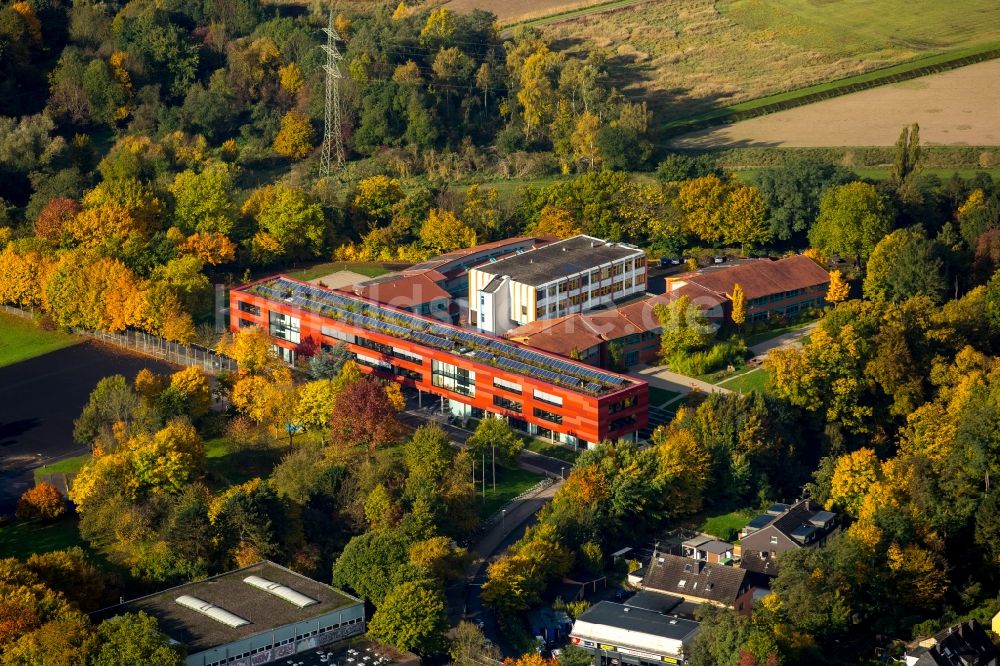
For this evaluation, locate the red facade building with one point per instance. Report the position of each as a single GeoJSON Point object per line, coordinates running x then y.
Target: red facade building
{"type": "Point", "coordinates": [472, 373]}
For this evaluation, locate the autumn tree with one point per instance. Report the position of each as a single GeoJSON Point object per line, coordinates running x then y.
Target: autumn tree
{"type": "Point", "coordinates": [296, 137]}
{"type": "Point", "coordinates": [412, 617]}
{"type": "Point", "coordinates": [536, 94]}
{"type": "Point", "coordinates": [744, 218]}
{"type": "Point", "coordinates": [288, 224]}
{"type": "Point", "coordinates": [685, 469]}
{"type": "Point", "coordinates": [584, 140]}
{"type": "Point", "coordinates": [685, 327]}
{"type": "Point", "coordinates": [558, 222]}
{"type": "Point", "coordinates": [203, 201]}
{"type": "Point", "coordinates": [853, 475]}
{"type": "Point", "coordinates": [375, 199]}
{"type": "Point", "coordinates": [363, 415]}
{"type": "Point", "coordinates": [852, 219]}
{"type": "Point", "coordinates": [443, 232]}
{"type": "Point", "coordinates": [839, 288]}
{"type": "Point", "coordinates": [42, 502]}
{"type": "Point", "coordinates": [89, 291]}
{"type": "Point", "coordinates": [51, 221]}
{"type": "Point", "coordinates": [70, 572]}
{"type": "Point", "coordinates": [904, 264]}
{"type": "Point", "coordinates": [134, 638]}
{"type": "Point", "coordinates": [703, 203]}
{"type": "Point", "coordinates": [739, 312]}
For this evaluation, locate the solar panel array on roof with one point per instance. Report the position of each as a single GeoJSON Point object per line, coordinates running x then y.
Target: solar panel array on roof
{"type": "Point", "coordinates": [402, 325]}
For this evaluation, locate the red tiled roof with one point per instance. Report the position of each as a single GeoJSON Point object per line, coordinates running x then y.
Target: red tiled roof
{"type": "Point", "coordinates": [759, 278]}
{"type": "Point", "coordinates": [580, 331]}
{"type": "Point", "coordinates": [403, 291]}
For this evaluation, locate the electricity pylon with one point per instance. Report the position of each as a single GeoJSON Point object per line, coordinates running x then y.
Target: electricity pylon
{"type": "Point", "coordinates": [333, 141]}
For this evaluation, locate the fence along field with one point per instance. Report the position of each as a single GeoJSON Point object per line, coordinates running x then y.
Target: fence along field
{"type": "Point", "coordinates": [959, 107]}
{"type": "Point", "coordinates": [690, 56]}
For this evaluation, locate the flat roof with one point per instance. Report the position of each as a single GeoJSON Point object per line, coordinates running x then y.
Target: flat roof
{"type": "Point", "coordinates": [565, 257]}
{"type": "Point", "coordinates": [264, 610]}
{"type": "Point", "coordinates": [658, 602]}
{"type": "Point", "coordinates": [364, 314]}
{"type": "Point", "coordinates": [640, 620]}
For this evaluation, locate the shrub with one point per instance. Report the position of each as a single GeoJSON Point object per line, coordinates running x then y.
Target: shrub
{"type": "Point", "coordinates": [702, 362]}
{"type": "Point", "coordinates": [43, 502]}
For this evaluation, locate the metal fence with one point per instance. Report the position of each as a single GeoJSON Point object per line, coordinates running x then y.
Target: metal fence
{"type": "Point", "coordinates": [173, 352]}
{"type": "Point", "coordinates": [17, 312]}
{"type": "Point", "coordinates": [530, 492]}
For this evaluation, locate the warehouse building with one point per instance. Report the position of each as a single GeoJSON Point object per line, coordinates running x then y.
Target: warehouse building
{"type": "Point", "coordinates": [572, 275]}
{"type": "Point", "coordinates": [251, 616]}
{"type": "Point", "coordinates": [617, 634]}
{"type": "Point", "coordinates": [473, 375]}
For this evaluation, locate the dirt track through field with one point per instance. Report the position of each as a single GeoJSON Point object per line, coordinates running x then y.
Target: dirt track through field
{"type": "Point", "coordinates": [961, 107]}
{"type": "Point", "coordinates": [508, 11]}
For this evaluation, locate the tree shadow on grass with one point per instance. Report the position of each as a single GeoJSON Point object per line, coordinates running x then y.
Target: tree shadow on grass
{"type": "Point", "coordinates": [238, 467]}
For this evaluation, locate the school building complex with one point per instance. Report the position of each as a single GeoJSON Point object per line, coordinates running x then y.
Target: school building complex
{"type": "Point", "coordinates": [472, 373]}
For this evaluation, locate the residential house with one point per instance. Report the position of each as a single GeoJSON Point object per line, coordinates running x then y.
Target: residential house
{"type": "Point", "coordinates": [709, 549]}
{"type": "Point", "coordinates": [965, 644]}
{"type": "Point", "coordinates": [700, 582]}
{"type": "Point", "coordinates": [781, 528]}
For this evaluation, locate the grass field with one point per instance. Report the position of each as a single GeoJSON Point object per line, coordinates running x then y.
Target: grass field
{"type": "Point", "coordinates": [687, 56]}
{"type": "Point", "coordinates": [755, 380]}
{"type": "Point", "coordinates": [21, 339]}
{"type": "Point", "coordinates": [658, 396]}
{"type": "Point", "coordinates": [725, 526]}
{"type": "Point", "coordinates": [319, 270]}
{"type": "Point", "coordinates": [21, 539]}
{"type": "Point", "coordinates": [64, 466]}
{"type": "Point", "coordinates": [551, 450]}
{"type": "Point", "coordinates": [511, 482]}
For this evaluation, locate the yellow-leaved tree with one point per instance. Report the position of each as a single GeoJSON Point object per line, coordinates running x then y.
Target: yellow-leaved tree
{"type": "Point", "coordinates": [443, 232]}
{"type": "Point", "coordinates": [739, 313]}
{"type": "Point", "coordinates": [296, 136]}
{"type": "Point", "coordinates": [839, 288]}
{"type": "Point", "coordinates": [555, 221]}
{"type": "Point", "coordinates": [853, 475]}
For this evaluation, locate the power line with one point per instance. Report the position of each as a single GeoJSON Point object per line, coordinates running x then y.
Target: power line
{"type": "Point", "coordinates": [333, 140]}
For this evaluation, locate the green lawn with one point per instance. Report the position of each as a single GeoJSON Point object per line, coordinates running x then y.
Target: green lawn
{"type": "Point", "coordinates": [21, 339]}
{"type": "Point", "coordinates": [726, 526]}
{"type": "Point", "coordinates": [755, 380]}
{"type": "Point", "coordinates": [547, 448]}
{"type": "Point", "coordinates": [658, 396]}
{"type": "Point", "coordinates": [511, 482]}
{"type": "Point", "coordinates": [225, 468]}
{"type": "Point", "coordinates": [64, 466]}
{"type": "Point", "coordinates": [319, 270]}
{"type": "Point", "coordinates": [21, 539]}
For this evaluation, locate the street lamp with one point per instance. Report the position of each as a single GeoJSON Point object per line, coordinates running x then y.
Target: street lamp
{"type": "Point", "coordinates": [503, 520]}
{"type": "Point", "coordinates": [562, 471]}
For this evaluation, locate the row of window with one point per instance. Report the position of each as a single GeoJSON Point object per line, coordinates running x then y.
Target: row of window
{"type": "Point", "coordinates": [298, 637]}
{"type": "Point", "coordinates": [623, 404]}
{"type": "Point", "coordinates": [453, 378]}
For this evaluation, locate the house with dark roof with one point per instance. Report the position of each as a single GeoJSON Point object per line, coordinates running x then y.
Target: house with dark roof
{"type": "Point", "coordinates": [781, 528]}
{"type": "Point", "coordinates": [707, 548]}
{"type": "Point", "coordinates": [783, 287]}
{"type": "Point", "coordinates": [700, 582]}
{"type": "Point", "coordinates": [965, 644]}
{"type": "Point", "coordinates": [254, 615]}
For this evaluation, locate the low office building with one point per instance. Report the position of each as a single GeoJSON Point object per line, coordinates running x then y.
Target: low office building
{"type": "Point", "coordinates": [572, 275]}
{"type": "Point", "coordinates": [255, 615]}
{"type": "Point", "coordinates": [438, 287]}
{"type": "Point", "coordinates": [472, 374]}
{"type": "Point", "coordinates": [784, 287]}
{"type": "Point", "coordinates": [618, 634]}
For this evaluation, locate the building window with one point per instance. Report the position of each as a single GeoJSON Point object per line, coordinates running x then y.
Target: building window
{"type": "Point", "coordinates": [622, 404]}
{"type": "Point", "coordinates": [551, 399]}
{"type": "Point", "coordinates": [249, 308]}
{"type": "Point", "coordinates": [285, 327]}
{"type": "Point", "coordinates": [407, 356]}
{"type": "Point", "coordinates": [507, 403]}
{"type": "Point", "coordinates": [524, 310]}
{"type": "Point", "coordinates": [548, 416]}
{"type": "Point", "coordinates": [540, 312]}
{"type": "Point", "coordinates": [246, 323]}
{"type": "Point", "coordinates": [506, 385]}
{"type": "Point", "coordinates": [453, 378]}
{"type": "Point", "coordinates": [552, 291]}
{"type": "Point", "coordinates": [624, 422]}
{"type": "Point", "coordinates": [337, 335]}
{"type": "Point", "coordinates": [774, 539]}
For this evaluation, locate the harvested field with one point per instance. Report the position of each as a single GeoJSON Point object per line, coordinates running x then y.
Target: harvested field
{"type": "Point", "coordinates": [687, 56]}
{"type": "Point", "coordinates": [960, 107]}
{"type": "Point", "coordinates": [509, 11]}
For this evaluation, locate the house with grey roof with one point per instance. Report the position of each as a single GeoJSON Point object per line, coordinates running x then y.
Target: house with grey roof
{"type": "Point", "coordinates": [965, 644]}
{"type": "Point", "coordinates": [699, 581]}
{"type": "Point", "coordinates": [781, 528]}
{"type": "Point", "coordinates": [619, 634]}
